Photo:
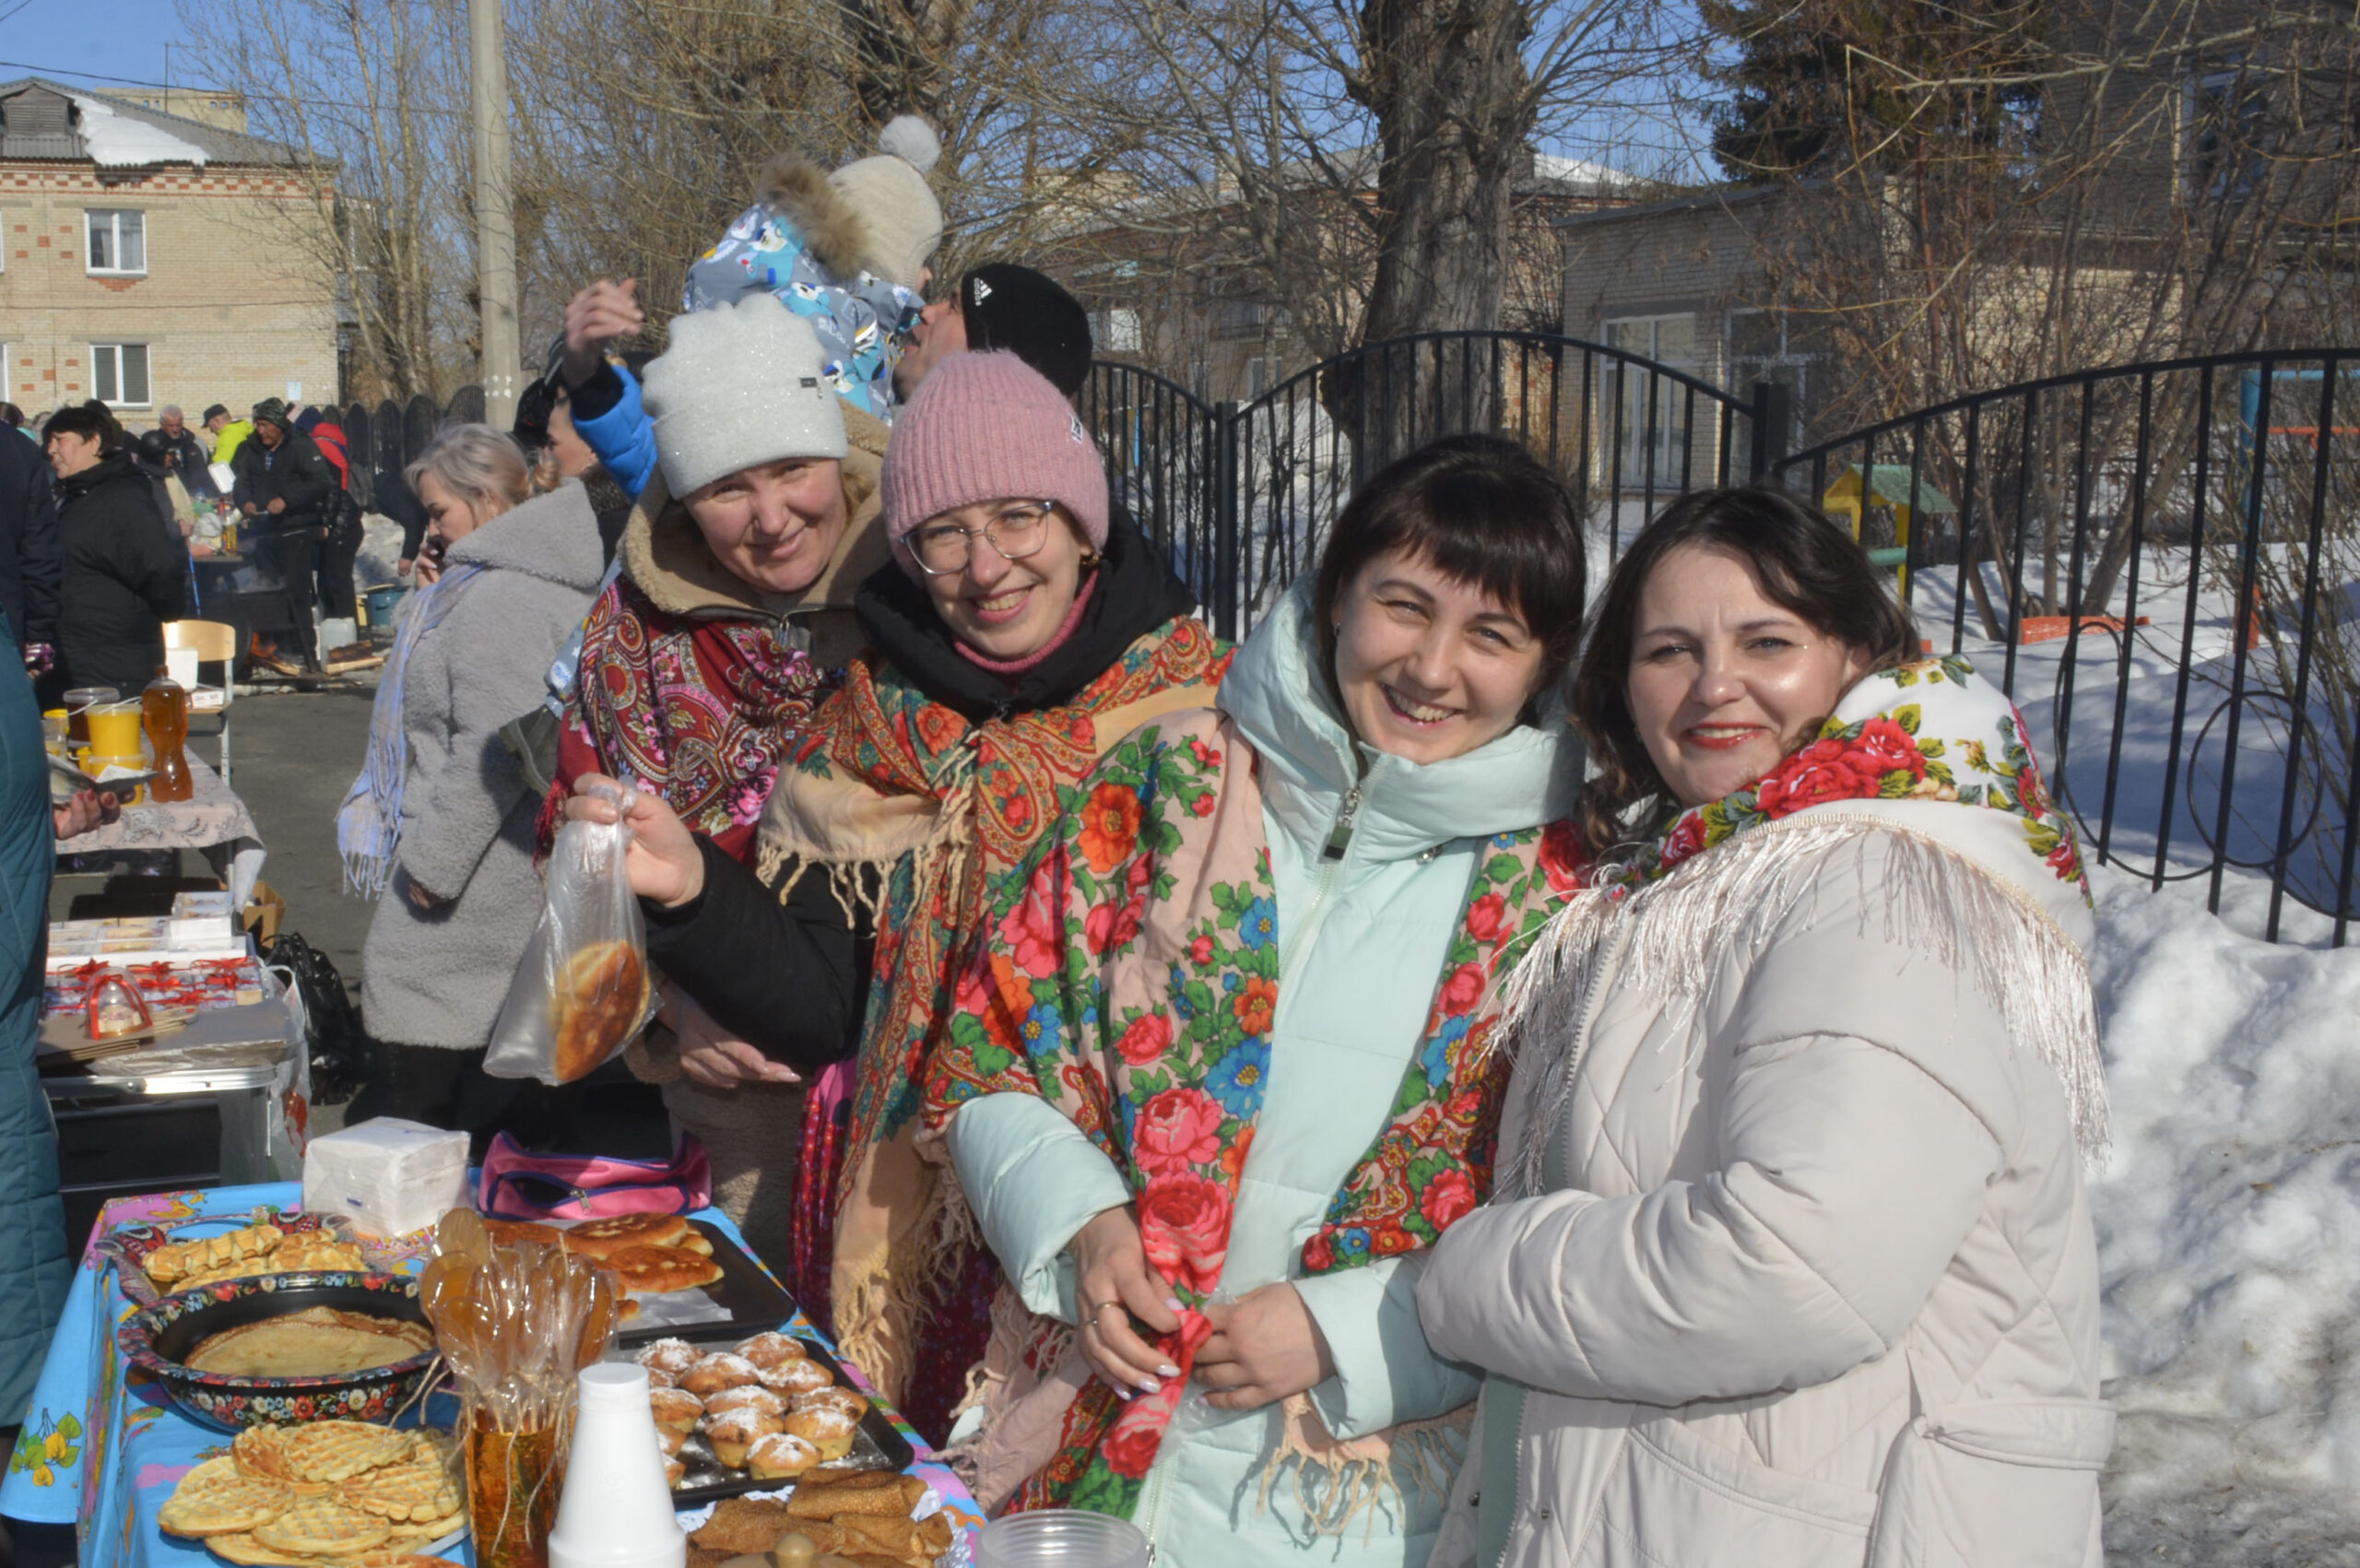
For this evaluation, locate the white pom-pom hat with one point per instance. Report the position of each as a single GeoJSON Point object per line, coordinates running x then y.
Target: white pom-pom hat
{"type": "Point", "coordinates": [902, 221]}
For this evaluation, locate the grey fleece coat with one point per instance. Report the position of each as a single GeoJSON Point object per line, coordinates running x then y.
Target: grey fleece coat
{"type": "Point", "coordinates": [437, 977]}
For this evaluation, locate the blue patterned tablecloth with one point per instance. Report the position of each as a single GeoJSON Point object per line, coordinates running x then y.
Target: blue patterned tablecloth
{"type": "Point", "coordinates": [102, 1453]}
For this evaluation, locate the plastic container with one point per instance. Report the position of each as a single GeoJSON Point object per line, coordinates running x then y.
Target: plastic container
{"type": "Point", "coordinates": [54, 728]}
{"type": "Point", "coordinates": [382, 602]}
{"type": "Point", "coordinates": [79, 703]}
{"type": "Point", "coordinates": [339, 631]}
{"type": "Point", "coordinates": [164, 716]}
{"type": "Point", "coordinates": [1067, 1538]}
{"type": "Point", "coordinates": [95, 762]}
{"type": "Point", "coordinates": [616, 1511]}
{"type": "Point", "coordinates": [115, 729]}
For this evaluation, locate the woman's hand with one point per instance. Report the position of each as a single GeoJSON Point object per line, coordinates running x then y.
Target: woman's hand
{"type": "Point", "coordinates": [597, 317]}
{"type": "Point", "coordinates": [420, 898]}
{"type": "Point", "coordinates": [1263, 1348]}
{"type": "Point", "coordinates": [710, 1054]}
{"type": "Point", "coordinates": [665, 866]}
{"type": "Point", "coordinates": [1112, 1284]}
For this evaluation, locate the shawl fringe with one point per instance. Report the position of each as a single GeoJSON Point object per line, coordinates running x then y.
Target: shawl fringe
{"type": "Point", "coordinates": [1735, 896]}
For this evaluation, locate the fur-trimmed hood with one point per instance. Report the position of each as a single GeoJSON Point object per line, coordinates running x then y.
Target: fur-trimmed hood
{"type": "Point", "coordinates": [666, 557]}
{"type": "Point", "coordinates": [798, 190]}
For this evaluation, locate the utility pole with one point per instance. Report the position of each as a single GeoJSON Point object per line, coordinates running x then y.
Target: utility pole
{"type": "Point", "coordinates": [495, 224]}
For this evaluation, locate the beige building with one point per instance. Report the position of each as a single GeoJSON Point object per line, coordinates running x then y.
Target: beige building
{"type": "Point", "coordinates": [149, 257]}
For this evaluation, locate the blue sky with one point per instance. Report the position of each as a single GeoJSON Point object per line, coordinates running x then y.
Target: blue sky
{"type": "Point", "coordinates": [95, 38]}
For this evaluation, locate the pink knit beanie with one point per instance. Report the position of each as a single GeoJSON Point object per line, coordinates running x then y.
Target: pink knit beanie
{"type": "Point", "coordinates": [987, 426]}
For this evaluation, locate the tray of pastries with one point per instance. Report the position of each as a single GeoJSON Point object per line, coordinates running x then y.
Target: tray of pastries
{"type": "Point", "coordinates": [676, 1273]}
{"type": "Point", "coordinates": [159, 1260]}
{"type": "Point", "coordinates": [751, 1413]}
{"type": "Point", "coordinates": [872, 1519]}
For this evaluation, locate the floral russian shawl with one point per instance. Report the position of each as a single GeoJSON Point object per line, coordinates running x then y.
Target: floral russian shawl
{"type": "Point", "coordinates": [911, 809]}
{"type": "Point", "coordinates": [1130, 979]}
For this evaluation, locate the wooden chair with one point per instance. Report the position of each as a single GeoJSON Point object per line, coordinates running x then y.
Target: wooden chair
{"type": "Point", "coordinates": [213, 642]}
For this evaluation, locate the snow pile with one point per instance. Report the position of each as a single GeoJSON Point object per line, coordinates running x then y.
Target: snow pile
{"type": "Point", "coordinates": [2229, 1237]}
{"type": "Point", "coordinates": [118, 141]}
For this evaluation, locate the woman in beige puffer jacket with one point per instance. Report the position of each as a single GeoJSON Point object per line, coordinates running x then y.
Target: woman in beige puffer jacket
{"type": "Point", "coordinates": [1791, 1262]}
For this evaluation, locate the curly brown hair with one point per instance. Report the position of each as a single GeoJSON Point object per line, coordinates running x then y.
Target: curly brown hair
{"type": "Point", "coordinates": [1804, 562]}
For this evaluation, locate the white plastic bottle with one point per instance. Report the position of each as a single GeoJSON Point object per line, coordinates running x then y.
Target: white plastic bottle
{"type": "Point", "coordinates": [616, 1511]}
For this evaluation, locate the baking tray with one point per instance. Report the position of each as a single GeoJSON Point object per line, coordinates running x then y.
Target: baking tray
{"type": "Point", "coordinates": [751, 1298]}
{"type": "Point", "coordinates": [876, 1445]}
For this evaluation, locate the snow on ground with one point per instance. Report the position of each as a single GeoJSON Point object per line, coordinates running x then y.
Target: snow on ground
{"type": "Point", "coordinates": [2229, 1237]}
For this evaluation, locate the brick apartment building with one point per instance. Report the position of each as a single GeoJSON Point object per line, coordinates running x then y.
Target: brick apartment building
{"type": "Point", "coordinates": [152, 252]}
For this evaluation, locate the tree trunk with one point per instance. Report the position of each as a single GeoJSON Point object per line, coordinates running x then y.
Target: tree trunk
{"type": "Point", "coordinates": [1446, 81]}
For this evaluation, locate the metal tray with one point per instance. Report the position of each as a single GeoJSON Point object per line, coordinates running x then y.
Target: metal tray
{"type": "Point", "coordinates": [751, 1298]}
{"type": "Point", "coordinates": [876, 1445]}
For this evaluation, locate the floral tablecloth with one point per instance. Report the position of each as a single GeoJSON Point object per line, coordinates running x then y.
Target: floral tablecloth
{"type": "Point", "coordinates": [104, 1455]}
{"type": "Point", "coordinates": [212, 819]}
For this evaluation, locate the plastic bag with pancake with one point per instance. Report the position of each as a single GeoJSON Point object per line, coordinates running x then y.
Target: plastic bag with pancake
{"type": "Point", "coordinates": [582, 992]}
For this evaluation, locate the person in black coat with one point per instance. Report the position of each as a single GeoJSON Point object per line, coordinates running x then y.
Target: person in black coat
{"type": "Point", "coordinates": [287, 491]}
{"type": "Point", "coordinates": [174, 448]}
{"type": "Point", "coordinates": [125, 568]}
{"type": "Point", "coordinates": [29, 563]}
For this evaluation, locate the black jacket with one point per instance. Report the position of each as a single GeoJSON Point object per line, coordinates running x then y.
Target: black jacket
{"type": "Point", "coordinates": [126, 573]}
{"type": "Point", "coordinates": [28, 562]}
{"type": "Point", "coordinates": [183, 454]}
{"type": "Point", "coordinates": [295, 471]}
{"type": "Point", "coordinates": [792, 977]}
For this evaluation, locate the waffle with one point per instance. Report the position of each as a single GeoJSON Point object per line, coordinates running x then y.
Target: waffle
{"type": "Point", "coordinates": [246, 1549]}
{"type": "Point", "coordinates": [300, 1254]}
{"type": "Point", "coordinates": [430, 1529]}
{"type": "Point", "coordinates": [422, 1487]}
{"type": "Point", "coordinates": [320, 1527]}
{"type": "Point", "coordinates": [335, 1451]}
{"type": "Point", "coordinates": [217, 1497]}
{"type": "Point", "coordinates": [261, 1451]}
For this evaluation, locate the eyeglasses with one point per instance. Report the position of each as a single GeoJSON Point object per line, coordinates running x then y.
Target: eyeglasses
{"type": "Point", "coordinates": [1016, 531]}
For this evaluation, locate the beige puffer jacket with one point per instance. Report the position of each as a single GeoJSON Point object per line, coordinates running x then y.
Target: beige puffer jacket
{"type": "Point", "coordinates": [1810, 1279]}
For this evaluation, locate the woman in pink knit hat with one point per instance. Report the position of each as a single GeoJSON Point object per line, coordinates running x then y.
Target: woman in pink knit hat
{"type": "Point", "coordinates": [1019, 633]}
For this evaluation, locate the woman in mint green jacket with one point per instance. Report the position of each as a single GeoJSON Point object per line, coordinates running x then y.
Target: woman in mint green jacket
{"type": "Point", "coordinates": [1222, 1079]}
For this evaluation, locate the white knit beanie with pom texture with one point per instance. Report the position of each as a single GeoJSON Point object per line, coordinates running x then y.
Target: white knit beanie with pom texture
{"type": "Point", "coordinates": [902, 219]}
{"type": "Point", "coordinates": [737, 387]}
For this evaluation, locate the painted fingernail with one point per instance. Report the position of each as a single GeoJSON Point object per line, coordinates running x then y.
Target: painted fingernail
{"type": "Point", "coordinates": [1124, 1395]}
{"type": "Point", "coordinates": [1148, 1386]}
{"type": "Point", "coordinates": [1168, 1369]}
{"type": "Point", "coordinates": [1174, 1302]}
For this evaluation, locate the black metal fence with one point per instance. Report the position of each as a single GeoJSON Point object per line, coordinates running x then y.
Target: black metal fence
{"type": "Point", "coordinates": [1243, 494]}
{"type": "Point", "coordinates": [2159, 562]}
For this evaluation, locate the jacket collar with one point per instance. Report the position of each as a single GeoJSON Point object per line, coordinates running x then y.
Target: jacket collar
{"type": "Point", "coordinates": [1137, 591]}
{"type": "Point", "coordinates": [665, 558]}
{"type": "Point", "coordinates": [117, 464]}
{"type": "Point", "coordinates": [1280, 699]}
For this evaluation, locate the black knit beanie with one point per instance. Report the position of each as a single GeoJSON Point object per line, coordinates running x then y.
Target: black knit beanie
{"type": "Point", "coordinates": [1015, 308]}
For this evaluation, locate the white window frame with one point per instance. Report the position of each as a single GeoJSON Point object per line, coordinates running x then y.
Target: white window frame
{"type": "Point", "coordinates": [111, 356]}
{"type": "Point", "coordinates": [1631, 394]}
{"type": "Point", "coordinates": [112, 217]}
{"type": "Point", "coordinates": [1116, 330]}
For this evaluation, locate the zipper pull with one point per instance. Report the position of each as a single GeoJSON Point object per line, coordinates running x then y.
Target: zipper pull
{"type": "Point", "coordinates": [1342, 833]}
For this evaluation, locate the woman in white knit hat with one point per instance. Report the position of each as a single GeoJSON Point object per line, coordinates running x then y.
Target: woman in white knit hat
{"type": "Point", "coordinates": [1021, 631]}
{"type": "Point", "coordinates": [730, 622]}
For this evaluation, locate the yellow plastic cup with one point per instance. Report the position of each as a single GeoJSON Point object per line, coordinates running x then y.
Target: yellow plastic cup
{"type": "Point", "coordinates": [115, 729]}
{"type": "Point", "coordinates": [95, 762]}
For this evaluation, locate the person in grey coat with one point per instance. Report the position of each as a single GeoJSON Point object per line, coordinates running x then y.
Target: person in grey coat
{"type": "Point", "coordinates": [440, 824]}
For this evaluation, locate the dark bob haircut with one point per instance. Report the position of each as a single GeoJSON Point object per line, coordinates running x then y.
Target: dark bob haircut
{"type": "Point", "coordinates": [91, 419]}
{"type": "Point", "coordinates": [1484, 511]}
{"type": "Point", "coordinates": [1804, 562]}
